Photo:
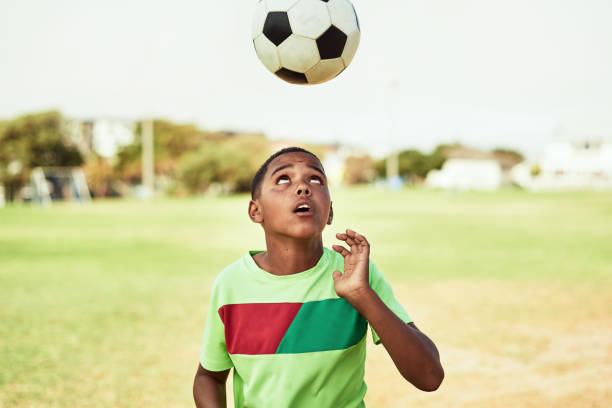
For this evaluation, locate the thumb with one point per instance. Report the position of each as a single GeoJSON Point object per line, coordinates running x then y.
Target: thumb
{"type": "Point", "coordinates": [336, 275]}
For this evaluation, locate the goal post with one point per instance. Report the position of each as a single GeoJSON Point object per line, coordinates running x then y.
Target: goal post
{"type": "Point", "coordinates": [50, 184]}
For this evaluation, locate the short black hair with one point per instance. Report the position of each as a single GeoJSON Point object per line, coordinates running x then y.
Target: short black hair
{"type": "Point", "coordinates": [256, 183]}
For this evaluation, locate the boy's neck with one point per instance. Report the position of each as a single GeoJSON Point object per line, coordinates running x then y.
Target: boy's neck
{"type": "Point", "coordinates": [289, 256]}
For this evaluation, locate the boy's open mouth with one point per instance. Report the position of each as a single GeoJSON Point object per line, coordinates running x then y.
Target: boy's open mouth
{"type": "Point", "coordinates": [303, 209]}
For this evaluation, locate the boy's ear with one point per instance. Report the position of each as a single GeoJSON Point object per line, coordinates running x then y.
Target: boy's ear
{"type": "Point", "coordinates": [331, 214]}
{"type": "Point", "coordinates": [255, 212]}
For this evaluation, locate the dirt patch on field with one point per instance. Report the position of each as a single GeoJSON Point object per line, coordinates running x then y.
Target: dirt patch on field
{"type": "Point", "coordinates": [505, 345]}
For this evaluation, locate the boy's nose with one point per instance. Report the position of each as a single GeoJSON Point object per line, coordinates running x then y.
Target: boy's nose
{"type": "Point", "coordinates": [302, 190]}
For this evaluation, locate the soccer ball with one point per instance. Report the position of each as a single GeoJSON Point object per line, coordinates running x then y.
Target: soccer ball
{"type": "Point", "coordinates": [305, 41]}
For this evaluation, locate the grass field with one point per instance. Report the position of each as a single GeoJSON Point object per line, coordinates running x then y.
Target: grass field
{"type": "Point", "coordinates": [103, 305]}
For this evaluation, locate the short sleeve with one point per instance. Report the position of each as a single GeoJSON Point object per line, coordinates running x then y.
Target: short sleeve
{"type": "Point", "coordinates": [384, 291]}
{"type": "Point", "coordinates": [214, 355]}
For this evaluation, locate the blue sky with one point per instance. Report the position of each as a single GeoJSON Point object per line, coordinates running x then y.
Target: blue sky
{"type": "Point", "coordinates": [483, 72]}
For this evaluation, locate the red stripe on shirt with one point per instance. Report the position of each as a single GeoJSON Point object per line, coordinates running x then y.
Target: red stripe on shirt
{"type": "Point", "coordinates": [256, 328]}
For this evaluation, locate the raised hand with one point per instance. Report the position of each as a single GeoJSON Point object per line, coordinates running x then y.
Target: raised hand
{"type": "Point", "coordinates": [413, 353]}
{"type": "Point", "coordinates": [355, 279]}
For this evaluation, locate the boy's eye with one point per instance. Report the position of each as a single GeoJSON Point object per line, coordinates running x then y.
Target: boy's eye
{"type": "Point", "coordinates": [316, 179]}
{"type": "Point", "coordinates": [282, 180]}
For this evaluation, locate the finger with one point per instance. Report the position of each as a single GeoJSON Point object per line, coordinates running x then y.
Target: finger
{"type": "Point", "coordinates": [344, 237]}
{"type": "Point", "coordinates": [353, 236]}
{"type": "Point", "coordinates": [355, 240]}
{"type": "Point", "coordinates": [362, 240]}
{"type": "Point", "coordinates": [341, 250]}
{"type": "Point", "coordinates": [336, 275]}
{"type": "Point", "coordinates": [350, 233]}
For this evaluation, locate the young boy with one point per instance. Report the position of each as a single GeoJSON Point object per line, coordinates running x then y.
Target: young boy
{"type": "Point", "coordinates": [292, 320]}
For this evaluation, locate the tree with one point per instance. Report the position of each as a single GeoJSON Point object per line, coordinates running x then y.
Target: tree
{"type": "Point", "coordinates": [414, 163]}
{"type": "Point", "coordinates": [101, 179]}
{"type": "Point", "coordinates": [31, 141]}
{"type": "Point", "coordinates": [231, 164]}
{"type": "Point", "coordinates": [380, 167]}
{"type": "Point", "coordinates": [444, 148]}
{"type": "Point", "coordinates": [171, 141]}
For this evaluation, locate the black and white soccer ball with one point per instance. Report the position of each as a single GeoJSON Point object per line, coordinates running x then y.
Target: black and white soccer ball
{"type": "Point", "coordinates": [305, 41]}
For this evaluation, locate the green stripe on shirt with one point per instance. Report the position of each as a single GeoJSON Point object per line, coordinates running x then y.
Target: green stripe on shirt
{"type": "Point", "coordinates": [331, 324]}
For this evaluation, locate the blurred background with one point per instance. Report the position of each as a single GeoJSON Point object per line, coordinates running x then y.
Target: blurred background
{"type": "Point", "coordinates": [470, 141]}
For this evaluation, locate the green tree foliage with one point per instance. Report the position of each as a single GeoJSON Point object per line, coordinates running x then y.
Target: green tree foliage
{"type": "Point", "coordinates": [414, 163]}
{"type": "Point", "coordinates": [171, 141]}
{"type": "Point", "coordinates": [195, 159]}
{"type": "Point", "coordinates": [31, 141]}
{"type": "Point", "coordinates": [230, 164]}
{"type": "Point", "coordinates": [38, 140]}
{"type": "Point", "coordinates": [444, 148]}
{"type": "Point", "coordinates": [380, 167]}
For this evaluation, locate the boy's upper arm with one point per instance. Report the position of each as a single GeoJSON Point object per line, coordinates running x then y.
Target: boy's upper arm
{"type": "Point", "coordinates": [213, 354]}
{"type": "Point", "coordinates": [384, 291]}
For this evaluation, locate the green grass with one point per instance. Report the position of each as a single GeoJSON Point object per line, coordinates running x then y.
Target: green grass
{"type": "Point", "coordinates": [103, 305]}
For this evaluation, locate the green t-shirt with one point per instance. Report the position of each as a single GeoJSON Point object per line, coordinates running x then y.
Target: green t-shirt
{"type": "Point", "coordinates": [291, 340]}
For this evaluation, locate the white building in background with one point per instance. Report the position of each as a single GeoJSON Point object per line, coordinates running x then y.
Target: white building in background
{"type": "Point", "coordinates": [569, 165]}
{"type": "Point", "coordinates": [466, 174]}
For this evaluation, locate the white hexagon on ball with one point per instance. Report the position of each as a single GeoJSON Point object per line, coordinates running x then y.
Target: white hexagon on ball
{"type": "Point", "coordinates": [309, 18]}
{"type": "Point", "coordinates": [350, 48]}
{"type": "Point", "coordinates": [298, 54]}
{"type": "Point", "coordinates": [343, 15]}
{"type": "Point", "coordinates": [267, 52]}
{"type": "Point", "coordinates": [280, 5]}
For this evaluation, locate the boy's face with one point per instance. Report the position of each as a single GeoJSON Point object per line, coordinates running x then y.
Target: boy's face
{"type": "Point", "coordinates": [294, 199]}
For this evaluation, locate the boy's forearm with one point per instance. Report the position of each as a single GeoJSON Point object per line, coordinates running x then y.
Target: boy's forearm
{"type": "Point", "coordinates": [414, 354]}
{"type": "Point", "coordinates": [208, 393]}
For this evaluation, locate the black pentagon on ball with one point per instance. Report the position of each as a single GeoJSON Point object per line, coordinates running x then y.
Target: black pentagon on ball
{"type": "Point", "coordinates": [331, 43]}
{"type": "Point", "coordinates": [277, 27]}
{"type": "Point", "coordinates": [292, 76]}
